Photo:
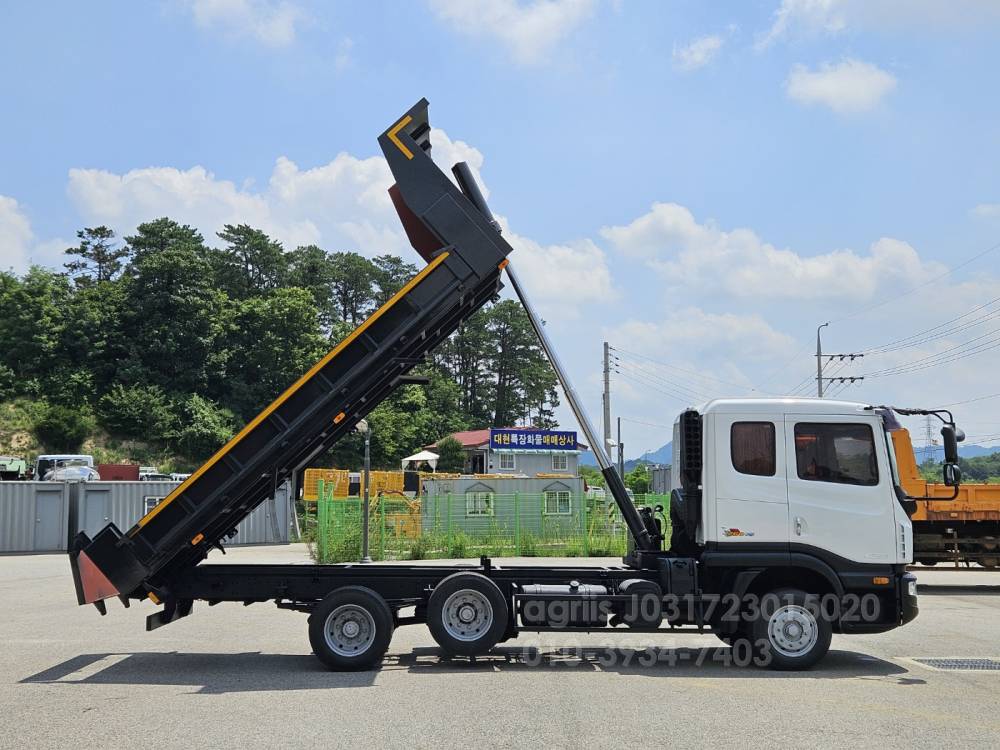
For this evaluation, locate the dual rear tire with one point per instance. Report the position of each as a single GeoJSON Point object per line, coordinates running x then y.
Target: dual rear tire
{"type": "Point", "coordinates": [467, 614]}
{"type": "Point", "coordinates": [351, 628]}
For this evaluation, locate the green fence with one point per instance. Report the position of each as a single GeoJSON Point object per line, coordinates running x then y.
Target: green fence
{"type": "Point", "coordinates": [446, 526]}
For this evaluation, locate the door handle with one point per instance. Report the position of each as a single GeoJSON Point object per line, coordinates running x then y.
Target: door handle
{"type": "Point", "coordinates": [798, 525]}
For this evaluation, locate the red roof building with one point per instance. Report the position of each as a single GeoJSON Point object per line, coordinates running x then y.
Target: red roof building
{"type": "Point", "coordinates": [481, 460]}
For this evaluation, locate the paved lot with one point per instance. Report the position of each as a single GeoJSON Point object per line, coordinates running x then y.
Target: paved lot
{"type": "Point", "coordinates": [231, 676]}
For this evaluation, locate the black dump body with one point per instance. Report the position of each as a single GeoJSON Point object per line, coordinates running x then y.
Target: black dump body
{"type": "Point", "coordinates": [464, 255]}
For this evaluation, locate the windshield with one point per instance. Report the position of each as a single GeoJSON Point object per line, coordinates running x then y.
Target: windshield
{"type": "Point", "coordinates": [891, 447]}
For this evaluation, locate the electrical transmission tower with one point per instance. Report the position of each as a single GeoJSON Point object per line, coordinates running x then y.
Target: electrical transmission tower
{"type": "Point", "coordinates": [929, 437]}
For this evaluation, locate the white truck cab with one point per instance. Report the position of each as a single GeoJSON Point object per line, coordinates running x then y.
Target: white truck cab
{"type": "Point", "coordinates": [813, 475]}
{"type": "Point", "coordinates": [797, 499]}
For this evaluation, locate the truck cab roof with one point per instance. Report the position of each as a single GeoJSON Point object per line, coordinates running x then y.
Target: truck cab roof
{"type": "Point", "coordinates": [783, 406]}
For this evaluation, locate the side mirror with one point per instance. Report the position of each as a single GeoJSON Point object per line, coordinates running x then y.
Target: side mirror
{"type": "Point", "coordinates": [949, 437]}
{"type": "Point", "coordinates": [952, 475]}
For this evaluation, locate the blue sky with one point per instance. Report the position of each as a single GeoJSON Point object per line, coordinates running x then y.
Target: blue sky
{"type": "Point", "coordinates": [701, 184]}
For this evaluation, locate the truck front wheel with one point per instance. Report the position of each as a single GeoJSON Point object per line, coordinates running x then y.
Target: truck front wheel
{"type": "Point", "coordinates": [350, 629]}
{"type": "Point", "coordinates": [791, 632]}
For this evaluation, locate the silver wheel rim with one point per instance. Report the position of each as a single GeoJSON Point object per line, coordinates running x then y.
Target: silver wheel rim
{"type": "Point", "coordinates": [349, 630]}
{"type": "Point", "coordinates": [467, 615]}
{"type": "Point", "coordinates": [792, 630]}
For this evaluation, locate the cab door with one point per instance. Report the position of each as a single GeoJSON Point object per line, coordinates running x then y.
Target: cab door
{"type": "Point", "coordinates": [750, 488]}
{"type": "Point", "coordinates": [840, 496]}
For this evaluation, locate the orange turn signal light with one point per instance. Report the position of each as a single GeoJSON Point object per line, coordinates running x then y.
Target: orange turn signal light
{"type": "Point", "coordinates": [880, 581]}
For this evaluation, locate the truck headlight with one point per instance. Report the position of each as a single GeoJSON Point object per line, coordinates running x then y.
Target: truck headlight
{"type": "Point", "coordinates": [911, 588]}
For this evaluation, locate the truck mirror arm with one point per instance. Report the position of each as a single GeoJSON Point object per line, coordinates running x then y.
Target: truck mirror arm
{"type": "Point", "coordinates": [951, 435]}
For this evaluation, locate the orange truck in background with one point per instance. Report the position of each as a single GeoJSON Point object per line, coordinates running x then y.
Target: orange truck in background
{"type": "Point", "coordinates": [966, 529]}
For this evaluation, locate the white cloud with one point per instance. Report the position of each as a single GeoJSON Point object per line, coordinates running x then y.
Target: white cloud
{"type": "Point", "coordinates": [270, 23]}
{"type": "Point", "coordinates": [704, 355]}
{"type": "Point", "coordinates": [804, 16]}
{"type": "Point", "coordinates": [561, 278]}
{"type": "Point", "coordinates": [19, 247]}
{"type": "Point", "coordinates": [848, 87]}
{"type": "Point", "coordinates": [16, 236]}
{"type": "Point", "coordinates": [700, 335]}
{"type": "Point", "coordinates": [342, 205]}
{"type": "Point", "coordinates": [528, 30]}
{"type": "Point", "coordinates": [698, 53]}
{"type": "Point", "coordinates": [343, 60]}
{"type": "Point", "coordinates": [987, 210]}
{"type": "Point", "coordinates": [798, 18]}
{"type": "Point", "coordinates": [738, 262]}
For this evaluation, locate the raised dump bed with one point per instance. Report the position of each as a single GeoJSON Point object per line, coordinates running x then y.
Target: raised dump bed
{"type": "Point", "coordinates": [464, 257]}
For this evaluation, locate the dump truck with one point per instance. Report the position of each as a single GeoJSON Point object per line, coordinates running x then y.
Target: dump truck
{"type": "Point", "coordinates": [962, 527]}
{"type": "Point", "coordinates": [787, 522]}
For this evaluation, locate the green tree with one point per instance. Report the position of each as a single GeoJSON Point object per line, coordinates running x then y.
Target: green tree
{"type": "Point", "coordinates": [98, 257]}
{"type": "Point", "coordinates": [351, 287]}
{"type": "Point", "coordinates": [391, 273]}
{"type": "Point", "coordinates": [524, 386]}
{"type": "Point", "coordinates": [92, 336]}
{"type": "Point", "coordinates": [310, 267]}
{"type": "Point", "coordinates": [274, 340]}
{"type": "Point", "coordinates": [160, 235]}
{"type": "Point", "coordinates": [464, 359]}
{"type": "Point", "coordinates": [251, 264]}
{"type": "Point", "coordinates": [637, 480]}
{"type": "Point", "coordinates": [62, 429]}
{"type": "Point", "coordinates": [32, 321]}
{"type": "Point", "coordinates": [592, 476]}
{"type": "Point", "coordinates": [451, 455]}
{"type": "Point", "coordinates": [202, 427]}
{"type": "Point", "coordinates": [171, 321]}
{"type": "Point", "coordinates": [136, 411]}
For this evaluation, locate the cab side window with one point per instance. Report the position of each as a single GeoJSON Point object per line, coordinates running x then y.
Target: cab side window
{"type": "Point", "coordinates": [840, 453]}
{"type": "Point", "coordinates": [751, 446]}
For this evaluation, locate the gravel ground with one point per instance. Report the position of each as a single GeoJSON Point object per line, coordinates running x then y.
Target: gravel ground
{"type": "Point", "coordinates": [233, 676]}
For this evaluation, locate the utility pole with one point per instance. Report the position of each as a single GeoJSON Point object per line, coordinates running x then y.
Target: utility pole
{"type": "Point", "coordinates": [607, 397]}
{"type": "Point", "coordinates": [621, 452]}
{"type": "Point", "coordinates": [819, 362]}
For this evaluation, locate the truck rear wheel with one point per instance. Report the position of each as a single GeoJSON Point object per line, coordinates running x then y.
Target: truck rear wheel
{"type": "Point", "coordinates": [792, 633]}
{"type": "Point", "coordinates": [467, 614]}
{"type": "Point", "coordinates": [351, 628]}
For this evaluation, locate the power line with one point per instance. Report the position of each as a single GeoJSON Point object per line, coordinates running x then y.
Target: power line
{"type": "Point", "coordinates": [806, 381]}
{"type": "Point", "coordinates": [699, 375]}
{"type": "Point", "coordinates": [655, 376]}
{"type": "Point", "coordinates": [951, 270]}
{"type": "Point", "coordinates": [646, 384]}
{"type": "Point", "coordinates": [946, 356]}
{"type": "Point", "coordinates": [915, 339]}
{"type": "Point", "coordinates": [656, 386]}
{"type": "Point", "coordinates": [972, 400]}
{"type": "Point", "coordinates": [770, 377]}
{"type": "Point", "coordinates": [648, 424]}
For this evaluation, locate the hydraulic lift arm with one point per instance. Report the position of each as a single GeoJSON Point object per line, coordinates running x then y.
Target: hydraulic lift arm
{"type": "Point", "coordinates": [646, 536]}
